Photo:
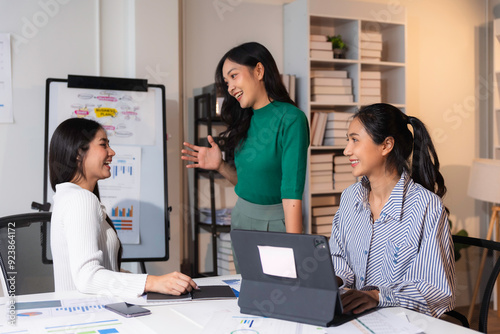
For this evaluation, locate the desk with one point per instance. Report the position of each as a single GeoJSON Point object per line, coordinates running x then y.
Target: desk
{"type": "Point", "coordinates": [170, 319]}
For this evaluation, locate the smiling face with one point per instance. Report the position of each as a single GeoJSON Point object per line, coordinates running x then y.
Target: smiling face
{"type": "Point", "coordinates": [245, 84]}
{"type": "Point", "coordinates": [96, 162]}
{"type": "Point", "coordinates": [367, 157]}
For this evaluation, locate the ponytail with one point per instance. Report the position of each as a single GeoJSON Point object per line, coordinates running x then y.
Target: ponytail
{"type": "Point", "coordinates": [425, 162]}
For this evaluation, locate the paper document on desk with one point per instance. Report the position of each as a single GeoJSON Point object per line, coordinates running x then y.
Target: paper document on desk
{"type": "Point", "coordinates": [383, 321]}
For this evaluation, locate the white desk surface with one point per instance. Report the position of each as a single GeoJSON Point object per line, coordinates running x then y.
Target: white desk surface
{"type": "Point", "coordinates": [165, 318]}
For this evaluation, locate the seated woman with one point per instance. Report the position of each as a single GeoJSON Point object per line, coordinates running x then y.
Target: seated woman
{"type": "Point", "coordinates": [85, 247]}
{"type": "Point", "coordinates": [391, 244]}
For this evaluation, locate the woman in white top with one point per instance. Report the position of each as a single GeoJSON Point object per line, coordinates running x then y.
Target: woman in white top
{"type": "Point", "coordinates": [85, 247]}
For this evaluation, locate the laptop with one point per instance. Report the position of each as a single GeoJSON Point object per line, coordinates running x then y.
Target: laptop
{"type": "Point", "coordinates": [288, 276]}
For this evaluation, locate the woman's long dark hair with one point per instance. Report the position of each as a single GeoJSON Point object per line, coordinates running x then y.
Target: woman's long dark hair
{"type": "Point", "coordinates": [68, 147]}
{"type": "Point", "coordinates": [383, 120]}
{"type": "Point", "coordinates": [237, 118]}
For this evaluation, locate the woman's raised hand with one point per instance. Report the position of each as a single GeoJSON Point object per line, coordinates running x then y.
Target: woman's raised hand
{"type": "Point", "coordinates": [203, 157]}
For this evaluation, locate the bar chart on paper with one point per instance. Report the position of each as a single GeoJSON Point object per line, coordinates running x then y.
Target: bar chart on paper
{"type": "Point", "coordinates": [120, 193]}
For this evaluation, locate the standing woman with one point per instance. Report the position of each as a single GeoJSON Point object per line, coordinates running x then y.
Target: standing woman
{"type": "Point", "coordinates": [85, 247]}
{"type": "Point", "coordinates": [391, 244]}
{"type": "Point", "coordinates": [267, 137]}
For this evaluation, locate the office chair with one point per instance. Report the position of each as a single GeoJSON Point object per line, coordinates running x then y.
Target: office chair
{"type": "Point", "coordinates": [24, 255]}
{"type": "Point", "coordinates": [485, 301]}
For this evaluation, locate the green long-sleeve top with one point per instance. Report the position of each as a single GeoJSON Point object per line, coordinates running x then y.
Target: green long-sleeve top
{"type": "Point", "coordinates": [271, 162]}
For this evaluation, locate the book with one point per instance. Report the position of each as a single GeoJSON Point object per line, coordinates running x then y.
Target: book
{"type": "Point", "coordinates": [342, 168]}
{"type": "Point", "coordinates": [343, 176]}
{"type": "Point", "coordinates": [328, 74]}
{"type": "Point", "coordinates": [371, 58]}
{"type": "Point", "coordinates": [332, 99]}
{"type": "Point", "coordinates": [341, 160]}
{"type": "Point", "coordinates": [339, 116]}
{"type": "Point", "coordinates": [224, 243]}
{"type": "Point", "coordinates": [325, 200]}
{"type": "Point", "coordinates": [328, 157]}
{"type": "Point", "coordinates": [334, 142]}
{"type": "Point", "coordinates": [331, 90]}
{"type": "Point", "coordinates": [224, 250]}
{"type": "Point", "coordinates": [293, 85]}
{"type": "Point", "coordinates": [322, 228]}
{"type": "Point", "coordinates": [370, 83]}
{"type": "Point", "coordinates": [222, 271]}
{"type": "Point", "coordinates": [325, 186]}
{"type": "Point", "coordinates": [371, 53]}
{"type": "Point", "coordinates": [204, 293]}
{"type": "Point", "coordinates": [347, 82]}
{"type": "Point", "coordinates": [314, 125]}
{"type": "Point", "coordinates": [341, 185]}
{"type": "Point", "coordinates": [371, 75]}
{"type": "Point", "coordinates": [366, 99]}
{"type": "Point", "coordinates": [318, 38]}
{"type": "Point", "coordinates": [322, 172]}
{"type": "Point", "coordinates": [323, 220]}
{"type": "Point", "coordinates": [319, 131]}
{"type": "Point", "coordinates": [229, 265]}
{"type": "Point", "coordinates": [224, 257]}
{"type": "Point", "coordinates": [333, 133]}
{"type": "Point", "coordinates": [322, 178]}
{"type": "Point", "coordinates": [370, 91]}
{"type": "Point", "coordinates": [369, 36]}
{"type": "Point", "coordinates": [337, 125]}
{"type": "Point", "coordinates": [321, 166]}
{"type": "Point", "coordinates": [318, 45]}
{"type": "Point", "coordinates": [324, 210]}
{"type": "Point", "coordinates": [370, 45]}
{"type": "Point", "coordinates": [321, 54]}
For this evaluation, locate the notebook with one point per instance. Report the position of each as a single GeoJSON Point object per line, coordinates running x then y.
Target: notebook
{"type": "Point", "coordinates": [205, 292]}
{"type": "Point", "coordinates": [287, 276]}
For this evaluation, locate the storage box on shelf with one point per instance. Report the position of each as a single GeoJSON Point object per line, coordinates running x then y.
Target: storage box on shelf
{"type": "Point", "coordinates": [372, 71]}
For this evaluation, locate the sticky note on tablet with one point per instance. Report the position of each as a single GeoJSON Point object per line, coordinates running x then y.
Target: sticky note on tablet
{"type": "Point", "coordinates": [277, 261]}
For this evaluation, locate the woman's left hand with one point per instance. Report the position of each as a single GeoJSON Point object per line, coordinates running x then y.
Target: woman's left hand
{"type": "Point", "coordinates": [359, 301]}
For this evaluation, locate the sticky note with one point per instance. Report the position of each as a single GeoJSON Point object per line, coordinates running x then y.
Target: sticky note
{"type": "Point", "coordinates": [277, 261]}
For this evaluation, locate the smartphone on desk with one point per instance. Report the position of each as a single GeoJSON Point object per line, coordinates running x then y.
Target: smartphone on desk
{"type": "Point", "coordinates": [127, 310]}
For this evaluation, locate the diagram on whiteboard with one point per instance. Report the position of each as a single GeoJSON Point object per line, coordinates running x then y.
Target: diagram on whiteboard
{"type": "Point", "coordinates": [120, 193]}
{"type": "Point", "coordinates": [128, 117]}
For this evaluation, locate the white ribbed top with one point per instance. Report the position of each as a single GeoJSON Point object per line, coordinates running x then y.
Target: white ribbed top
{"type": "Point", "coordinates": [84, 247]}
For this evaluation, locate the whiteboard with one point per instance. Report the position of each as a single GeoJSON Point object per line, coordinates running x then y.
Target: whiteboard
{"type": "Point", "coordinates": [133, 114]}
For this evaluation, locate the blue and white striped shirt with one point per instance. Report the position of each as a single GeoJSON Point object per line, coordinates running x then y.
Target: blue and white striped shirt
{"type": "Point", "coordinates": [407, 254]}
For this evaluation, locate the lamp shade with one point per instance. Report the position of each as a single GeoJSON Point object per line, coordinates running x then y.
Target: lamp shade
{"type": "Point", "coordinates": [484, 180]}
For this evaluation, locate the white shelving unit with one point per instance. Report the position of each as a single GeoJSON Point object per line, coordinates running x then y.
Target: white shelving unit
{"type": "Point", "coordinates": [352, 20]}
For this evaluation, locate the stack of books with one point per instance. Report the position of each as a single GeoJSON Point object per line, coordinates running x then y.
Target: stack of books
{"type": "Point", "coordinates": [371, 87]}
{"type": "Point", "coordinates": [225, 261]}
{"type": "Point", "coordinates": [323, 210]}
{"type": "Point", "coordinates": [319, 47]}
{"type": "Point", "coordinates": [321, 172]}
{"type": "Point", "coordinates": [222, 216]}
{"type": "Point", "coordinates": [371, 46]}
{"type": "Point", "coordinates": [330, 86]}
{"type": "Point", "coordinates": [289, 83]}
{"type": "Point", "coordinates": [342, 176]}
{"type": "Point", "coordinates": [336, 127]}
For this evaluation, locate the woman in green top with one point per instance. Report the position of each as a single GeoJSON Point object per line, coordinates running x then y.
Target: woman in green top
{"type": "Point", "coordinates": [266, 142]}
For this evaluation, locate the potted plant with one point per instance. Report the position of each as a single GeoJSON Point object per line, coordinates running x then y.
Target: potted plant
{"type": "Point", "coordinates": [338, 46]}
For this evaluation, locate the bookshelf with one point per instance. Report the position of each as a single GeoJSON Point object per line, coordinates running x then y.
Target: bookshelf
{"type": "Point", "coordinates": [496, 87]}
{"type": "Point", "coordinates": [212, 206]}
{"type": "Point", "coordinates": [374, 66]}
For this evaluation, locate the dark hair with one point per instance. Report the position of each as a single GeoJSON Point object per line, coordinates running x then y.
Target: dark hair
{"type": "Point", "coordinates": [68, 147]}
{"type": "Point", "coordinates": [383, 120]}
{"type": "Point", "coordinates": [237, 118]}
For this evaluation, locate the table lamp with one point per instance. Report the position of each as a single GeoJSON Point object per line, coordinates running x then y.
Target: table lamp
{"type": "Point", "coordinates": [484, 185]}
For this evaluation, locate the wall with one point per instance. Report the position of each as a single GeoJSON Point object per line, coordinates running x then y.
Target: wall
{"type": "Point", "coordinates": [54, 38]}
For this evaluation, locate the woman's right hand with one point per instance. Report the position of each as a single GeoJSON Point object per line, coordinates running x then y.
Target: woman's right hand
{"type": "Point", "coordinates": [203, 157]}
{"type": "Point", "coordinates": [174, 283]}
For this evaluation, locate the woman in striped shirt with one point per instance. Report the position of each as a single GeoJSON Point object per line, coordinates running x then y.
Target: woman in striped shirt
{"type": "Point", "coordinates": [391, 243]}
